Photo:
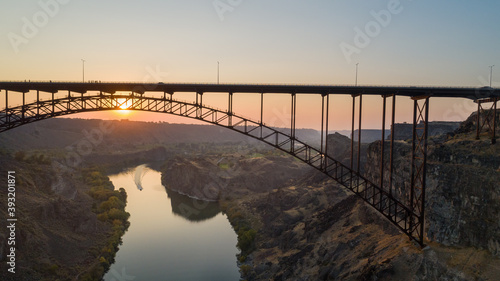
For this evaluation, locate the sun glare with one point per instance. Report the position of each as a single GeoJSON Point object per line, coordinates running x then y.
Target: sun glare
{"type": "Point", "coordinates": [123, 111]}
{"type": "Point", "coordinates": [124, 104]}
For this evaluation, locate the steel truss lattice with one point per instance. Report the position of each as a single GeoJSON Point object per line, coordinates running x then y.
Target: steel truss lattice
{"type": "Point", "coordinates": [407, 216]}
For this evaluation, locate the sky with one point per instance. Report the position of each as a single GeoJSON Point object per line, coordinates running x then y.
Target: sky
{"type": "Point", "coordinates": [406, 42]}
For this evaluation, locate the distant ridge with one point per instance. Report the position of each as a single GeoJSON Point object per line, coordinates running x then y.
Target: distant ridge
{"type": "Point", "coordinates": [59, 133]}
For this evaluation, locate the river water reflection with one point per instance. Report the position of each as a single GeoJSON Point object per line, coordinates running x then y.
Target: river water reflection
{"type": "Point", "coordinates": [171, 236]}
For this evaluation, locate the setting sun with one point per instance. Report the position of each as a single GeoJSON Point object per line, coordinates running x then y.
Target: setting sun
{"type": "Point", "coordinates": [123, 111]}
{"type": "Point", "coordinates": [124, 104]}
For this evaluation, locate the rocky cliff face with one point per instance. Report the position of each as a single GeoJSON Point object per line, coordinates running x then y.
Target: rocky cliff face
{"type": "Point", "coordinates": [339, 147]}
{"type": "Point", "coordinates": [468, 127]}
{"type": "Point", "coordinates": [463, 183]}
{"type": "Point", "coordinates": [56, 227]}
{"type": "Point", "coordinates": [370, 135]}
{"type": "Point", "coordinates": [463, 195]}
{"type": "Point", "coordinates": [321, 232]}
{"type": "Point", "coordinates": [405, 131]}
{"type": "Point", "coordinates": [342, 238]}
{"type": "Point", "coordinates": [211, 178]}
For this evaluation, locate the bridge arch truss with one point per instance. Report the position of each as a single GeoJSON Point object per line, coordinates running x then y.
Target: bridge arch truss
{"type": "Point", "coordinates": [405, 213]}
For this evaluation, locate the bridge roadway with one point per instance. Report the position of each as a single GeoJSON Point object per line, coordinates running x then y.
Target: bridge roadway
{"type": "Point", "coordinates": [112, 87]}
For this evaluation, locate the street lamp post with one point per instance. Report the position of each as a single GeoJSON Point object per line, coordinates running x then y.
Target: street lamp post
{"type": "Point", "coordinates": [491, 73]}
{"type": "Point", "coordinates": [218, 64]}
{"type": "Point", "coordinates": [83, 70]}
{"type": "Point", "coordinates": [356, 83]}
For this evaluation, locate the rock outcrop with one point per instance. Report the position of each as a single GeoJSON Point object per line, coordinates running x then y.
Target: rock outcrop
{"type": "Point", "coordinates": [404, 131]}
{"type": "Point", "coordinates": [468, 127]}
{"type": "Point", "coordinates": [211, 178]}
{"type": "Point", "coordinates": [316, 230]}
{"type": "Point", "coordinates": [339, 147]}
{"type": "Point", "coordinates": [370, 135]}
{"type": "Point", "coordinates": [56, 228]}
{"type": "Point", "coordinates": [463, 185]}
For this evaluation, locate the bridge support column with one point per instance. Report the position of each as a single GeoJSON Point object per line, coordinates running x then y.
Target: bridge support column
{"type": "Point", "coordinates": [261, 114]}
{"type": "Point", "coordinates": [382, 142]}
{"type": "Point", "coordinates": [113, 102]}
{"type": "Point", "coordinates": [322, 125]}
{"type": "Point", "coordinates": [293, 116]}
{"type": "Point", "coordinates": [37, 103]}
{"type": "Point", "coordinates": [382, 148]}
{"type": "Point", "coordinates": [324, 129]}
{"type": "Point", "coordinates": [168, 102]}
{"type": "Point", "coordinates": [478, 120]}
{"type": "Point", "coordinates": [490, 118]}
{"type": "Point", "coordinates": [68, 106]}
{"type": "Point", "coordinates": [418, 167]}
{"type": "Point", "coordinates": [352, 131]}
{"type": "Point", "coordinates": [494, 137]}
{"type": "Point", "coordinates": [358, 160]}
{"type": "Point", "coordinates": [53, 104]}
{"type": "Point", "coordinates": [323, 137]}
{"type": "Point", "coordinates": [165, 102]}
{"type": "Point", "coordinates": [24, 107]}
{"type": "Point", "coordinates": [359, 132]}
{"type": "Point", "coordinates": [7, 117]}
{"type": "Point", "coordinates": [358, 156]}
{"type": "Point", "coordinates": [199, 104]}
{"type": "Point", "coordinates": [391, 156]}
{"type": "Point", "coordinates": [230, 109]}
{"type": "Point", "coordinates": [355, 173]}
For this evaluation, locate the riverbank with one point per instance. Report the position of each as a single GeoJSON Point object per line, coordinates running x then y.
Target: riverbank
{"type": "Point", "coordinates": [109, 206]}
{"type": "Point", "coordinates": [59, 236]}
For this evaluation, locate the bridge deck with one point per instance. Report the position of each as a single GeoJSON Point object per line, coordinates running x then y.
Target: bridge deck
{"type": "Point", "coordinates": [80, 87]}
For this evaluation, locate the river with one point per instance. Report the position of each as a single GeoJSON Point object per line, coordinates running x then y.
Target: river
{"type": "Point", "coordinates": [171, 236]}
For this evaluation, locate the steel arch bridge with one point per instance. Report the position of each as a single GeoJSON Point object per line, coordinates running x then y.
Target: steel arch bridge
{"type": "Point", "coordinates": [405, 213]}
